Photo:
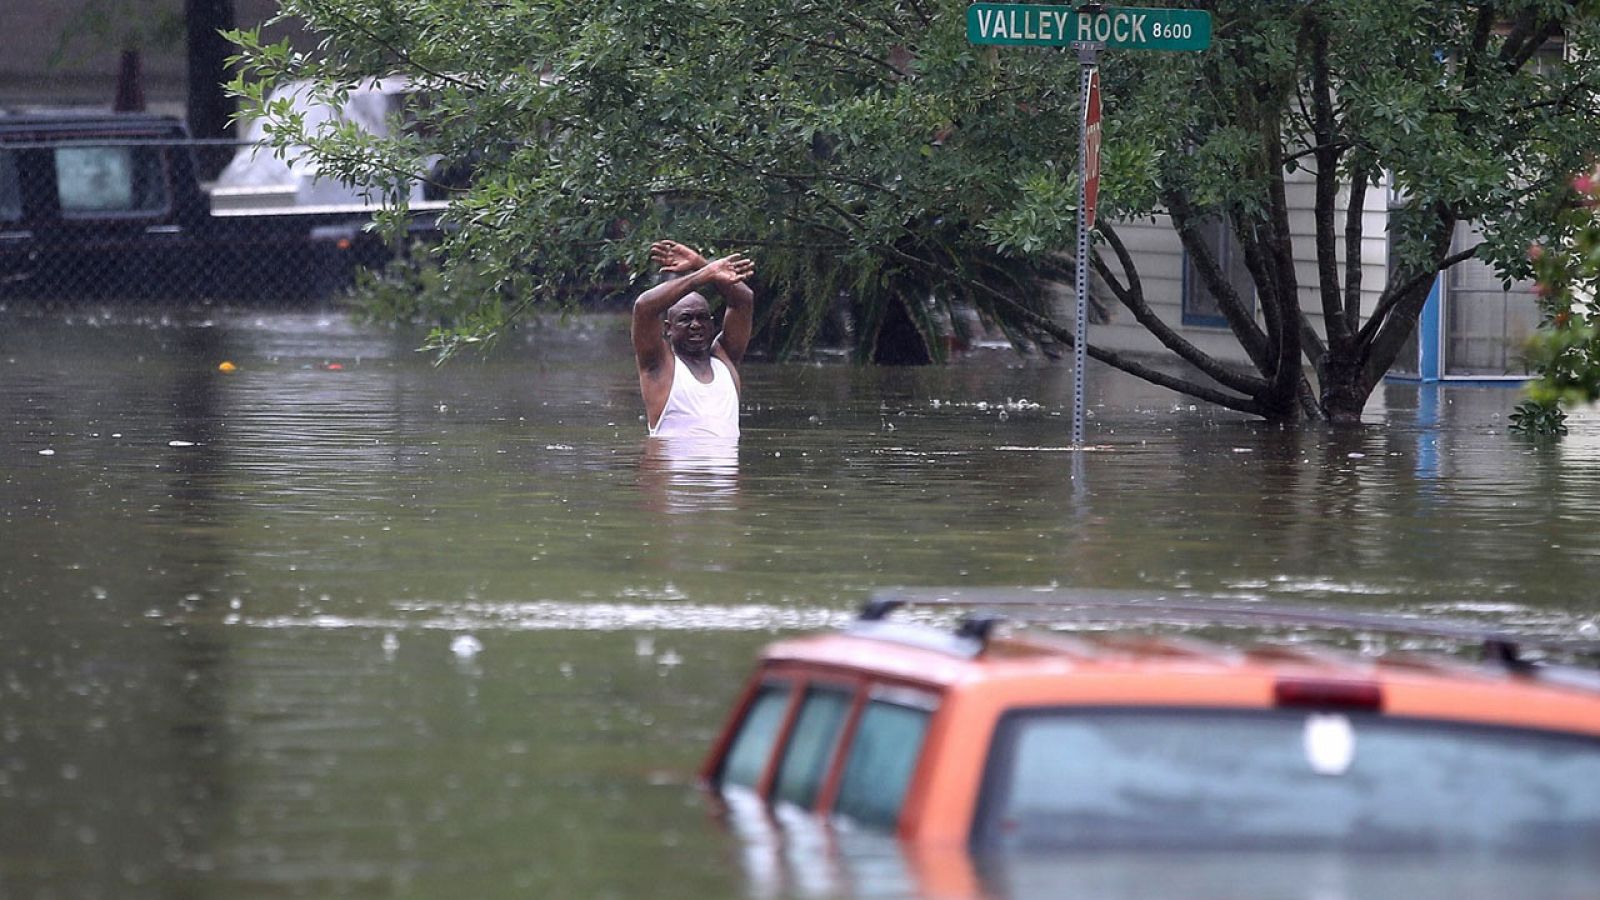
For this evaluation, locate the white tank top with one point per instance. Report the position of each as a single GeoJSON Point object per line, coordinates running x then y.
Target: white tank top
{"type": "Point", "coordinates": [700, 410]}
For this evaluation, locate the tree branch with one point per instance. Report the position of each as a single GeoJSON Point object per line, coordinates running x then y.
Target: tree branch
{"type": "Point", "coordinates": [402, 54]}
{"type": "Point", "coordinates": [1239, 319]}
{"type": "Point", "coordinates": [1116, 360]}
{"type": "Point", "coordinates": [1354, 234]}
{"type": "Point", "coordinates": [1527, 37]}
{"type": "Point", "coordinates": [1393, 294]}
{"type": "Point", "coordinates": [1327, 186]}
{"type": "Point", "coordinates": [1294, 332]}
{"type": "Point", "coordinates": [1132, 297]}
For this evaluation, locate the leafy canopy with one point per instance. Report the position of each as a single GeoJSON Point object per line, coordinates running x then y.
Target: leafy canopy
{"type": "Point", "coordinates": [876, 163]}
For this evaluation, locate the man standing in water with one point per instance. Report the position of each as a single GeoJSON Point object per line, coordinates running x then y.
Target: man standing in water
{"type": "Point", "coordinates": [688, 373]}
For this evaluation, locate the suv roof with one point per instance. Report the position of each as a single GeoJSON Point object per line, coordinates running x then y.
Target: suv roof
{"type": "Point", "coordinates": [39, 124]}
{"type": "Point", "coordinates": [1183, 669]}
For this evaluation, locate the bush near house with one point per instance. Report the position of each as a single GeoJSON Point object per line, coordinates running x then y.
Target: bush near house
{"type": "Point", "coordinates": [1566, 351]}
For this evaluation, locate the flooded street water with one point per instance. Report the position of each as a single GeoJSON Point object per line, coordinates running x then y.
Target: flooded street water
{"type": "Point", "coordinates": [341, 623]}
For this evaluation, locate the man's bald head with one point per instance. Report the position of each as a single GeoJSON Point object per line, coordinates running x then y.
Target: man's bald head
{"type": "Point", "coordinates": [691, 299]}
{"type": "Point", "coordinates": [689, 326]}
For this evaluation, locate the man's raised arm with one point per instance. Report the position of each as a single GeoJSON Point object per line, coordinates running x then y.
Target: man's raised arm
{"type": "Point", "coordinates": [737, 319]}
{"type": "Point", "coordinates": [726, 275]}
{"type": "Point", "coordinates": [681, 259]}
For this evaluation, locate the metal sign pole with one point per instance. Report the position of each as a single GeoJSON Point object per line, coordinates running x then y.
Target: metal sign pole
{"type": "Point", "coordinates": [1090, 27]}
{"type": "Point", "coordinates": [1088, 63]}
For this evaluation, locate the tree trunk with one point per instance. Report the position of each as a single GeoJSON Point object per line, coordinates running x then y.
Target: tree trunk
{"type": "Point", "coordinates": [130, 83]}
{"type": "Point", "coordinates": [1344, 395]}
{"type": "Point", "coordinates": [897, 341]}
{"type": "Point", "coordinates": [210, 107]}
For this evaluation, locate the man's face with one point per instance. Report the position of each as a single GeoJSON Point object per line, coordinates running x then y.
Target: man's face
{"type": "Point", "coordinates": [690, 328]}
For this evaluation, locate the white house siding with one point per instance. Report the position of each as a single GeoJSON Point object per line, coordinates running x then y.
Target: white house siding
{"type": "Point", "coordinates": [1159, 255]}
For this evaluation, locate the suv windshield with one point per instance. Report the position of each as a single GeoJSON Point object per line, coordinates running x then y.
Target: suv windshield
{"type": "Point", "coordinates": [1215, 779]}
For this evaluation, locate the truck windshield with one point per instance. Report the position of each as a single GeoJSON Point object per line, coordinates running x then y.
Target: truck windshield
{"type": "Point", "coordinates": [1212, 779]}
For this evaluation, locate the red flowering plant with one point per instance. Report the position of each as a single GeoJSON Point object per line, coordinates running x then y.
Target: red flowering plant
{"type": "Point", "coordinates": [1566, 349]}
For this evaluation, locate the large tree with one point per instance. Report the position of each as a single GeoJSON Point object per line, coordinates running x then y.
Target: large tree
{"type": "Point", "coordinates": [882, 167]}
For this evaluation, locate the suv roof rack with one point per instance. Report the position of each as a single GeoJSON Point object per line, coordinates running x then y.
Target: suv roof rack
{"type": "Point", "coordinates": [1088, 606]}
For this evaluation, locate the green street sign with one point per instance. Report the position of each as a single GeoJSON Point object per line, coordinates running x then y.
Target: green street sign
{"type": "Point", "coordinates": [1118, 28]}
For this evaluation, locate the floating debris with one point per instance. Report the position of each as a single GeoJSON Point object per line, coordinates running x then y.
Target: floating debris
{"type": "Point", "coordinates": [466, 646]}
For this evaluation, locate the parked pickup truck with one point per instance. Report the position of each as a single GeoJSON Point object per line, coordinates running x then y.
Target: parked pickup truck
{"type": "Point", "coordinates": [111, 204]}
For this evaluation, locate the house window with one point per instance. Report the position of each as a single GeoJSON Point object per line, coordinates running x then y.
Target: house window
{"type": "Point", "coordinates": [1199, 303]}
{"type": "Point", "coordinates": [810, 749]}
{"type": "Point", "coordinates": [109, 181]}
{"type": "Point", "coordinates": [747, 758]}
{"type": "Point", "coordinates": [1486, 321]}
{"type": "Point", "coordinates": [10, 188]}
{"type": "Point", "coordinates": [883, 755]}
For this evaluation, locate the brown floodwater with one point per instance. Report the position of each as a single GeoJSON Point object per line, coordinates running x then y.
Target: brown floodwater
{"type": "Point", "coordinates": [341, 623]}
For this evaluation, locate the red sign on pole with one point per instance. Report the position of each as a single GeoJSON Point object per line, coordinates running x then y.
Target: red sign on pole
{"type": "Point", "coordinates": [1091, 148]}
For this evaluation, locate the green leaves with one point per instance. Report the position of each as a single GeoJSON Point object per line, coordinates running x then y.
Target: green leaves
{"type": "Point", "coordinates": [1042, 216]}
{"type": "Point", "coordinates": [1566, 350]}
{"type": "Point", "coordinates": [874, 162]}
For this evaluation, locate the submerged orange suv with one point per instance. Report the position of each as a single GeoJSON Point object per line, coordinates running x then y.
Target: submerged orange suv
{"type": "Point", "coordinates": [1117, 740]}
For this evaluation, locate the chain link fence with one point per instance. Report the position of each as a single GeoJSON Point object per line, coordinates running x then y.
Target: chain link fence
{"type": "Point", "coordinates": [120, 207]}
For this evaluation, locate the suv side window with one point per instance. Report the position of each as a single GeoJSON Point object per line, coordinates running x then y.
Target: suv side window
{"type": "Point", "coordinates": [747, 757]}
{"type": "Point", "coordinates": [811, 745]}
{"type": "Point", "coordinates": [888, 741]}
{"type": "Point", "coordinates": [109, 180]}
{"type": "Point", "coordinates": [10, 188]}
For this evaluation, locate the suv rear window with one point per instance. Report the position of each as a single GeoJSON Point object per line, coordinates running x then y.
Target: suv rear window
{"type": "Point", "coordinates": [1277, 779]}
{"type": "Point", "coordinates": [110, 180]}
